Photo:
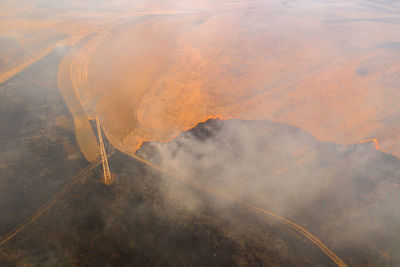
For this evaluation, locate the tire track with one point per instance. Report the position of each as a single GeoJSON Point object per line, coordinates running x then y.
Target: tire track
{"type": "Point", "coordinates": [301, 230]}
{"type": "Point", "coordinates": [50, 202]}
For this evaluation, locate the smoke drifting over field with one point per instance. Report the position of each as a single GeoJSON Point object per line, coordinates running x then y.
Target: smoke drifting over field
{"type": "Point", "coordinates": [299, 87]}
{"type": "Point", "coordinates": [348, 196]}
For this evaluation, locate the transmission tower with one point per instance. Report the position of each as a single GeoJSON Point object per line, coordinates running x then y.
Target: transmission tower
{"type": "Point", "coordinates": [107, 178]}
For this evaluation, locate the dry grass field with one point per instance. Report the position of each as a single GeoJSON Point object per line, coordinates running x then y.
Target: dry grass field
{"type": "Point", "coordinates": [306, 93]}
{"type": "Point", "coordinates": [329, 69]}
{"type": "Point", "coordinates": [84, 133]}
{"type": "Point", "coordinates": [333, 75]}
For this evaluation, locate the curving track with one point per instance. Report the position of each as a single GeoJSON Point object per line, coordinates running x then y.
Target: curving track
{"type": "Point", "coordinates": [50, 203]}
{"type": "Point", "coordinates": [245, 204]}
{"type": "Point", "coordinates": [187, 181]}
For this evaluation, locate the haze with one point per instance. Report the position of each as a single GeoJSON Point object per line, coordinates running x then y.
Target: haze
{"type": "Point", "coordinates": [149, 71]}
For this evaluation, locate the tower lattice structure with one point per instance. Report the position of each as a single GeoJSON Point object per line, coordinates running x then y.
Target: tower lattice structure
{"type": "Point", "coordinates": [107, 178]}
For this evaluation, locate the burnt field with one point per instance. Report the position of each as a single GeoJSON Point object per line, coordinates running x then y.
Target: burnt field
{"type": "Point", "coordinates": [135, 221]}
{"type": "Point", "coordinates": [237, 133]}
{"type": "Point", "coordinates": [38, 151]}
{"type": "Point", "coordinates": [348, 196]}
{"type": "Point", "coordinates": [131, 222]}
